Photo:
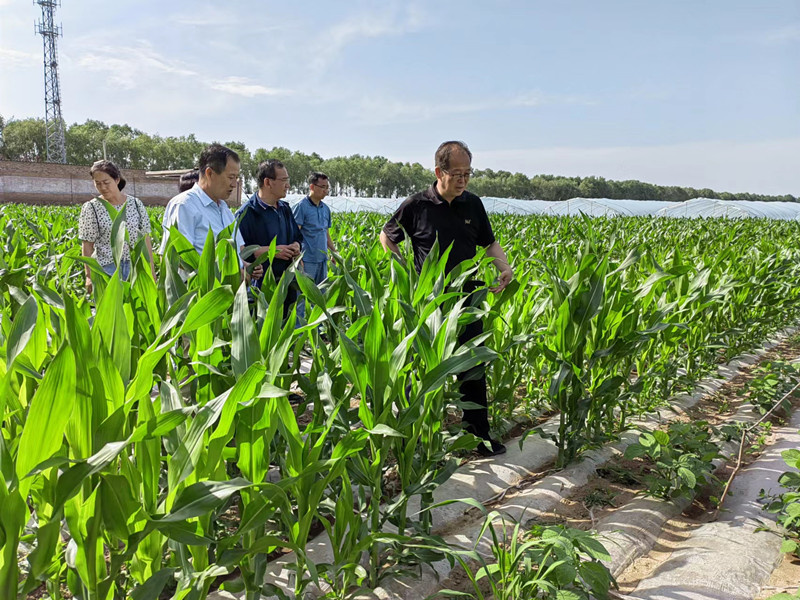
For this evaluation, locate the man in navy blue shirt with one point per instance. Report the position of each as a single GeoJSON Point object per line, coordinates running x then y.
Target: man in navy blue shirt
{"type": "Point", "coordinates": [266, 217]}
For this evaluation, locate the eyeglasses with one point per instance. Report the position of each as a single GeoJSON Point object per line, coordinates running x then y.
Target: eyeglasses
{"type": "Point", "coordinates": [322, 187]}
{"type": "Point", "coordinates": [281, 179]}
{"type": "Point", "coordinates": [460, 176]}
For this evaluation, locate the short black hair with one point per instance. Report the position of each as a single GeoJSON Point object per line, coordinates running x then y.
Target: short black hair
{"type": "Point", "coordinates": [266, 170]}
{"type": "Point", "coordinates": [110, 169]}
{"type": "Point", "coordinates": [315, 176]}
{"type": "Point", "coordinates": [215, 156]}
{"type": "Point", "coordinates": [188, 180]}
{"type": "Point", "coordinates": [445, 152]}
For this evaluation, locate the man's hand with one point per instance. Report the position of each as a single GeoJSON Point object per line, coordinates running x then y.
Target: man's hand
{"type": "Point", "coordinates": [89, 286]}
{"type": "Point", "coordinates": [506, 275]}
{"type": "Point", "coordinates": [287, 252]}
{"type": "Point", "coordinates": [258, 272]}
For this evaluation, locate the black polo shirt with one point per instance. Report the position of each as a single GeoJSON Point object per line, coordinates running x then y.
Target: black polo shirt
{"type": "Point", "coordinates": [426, 215]}
{"type": "Point", "coordinates": [260, 223]}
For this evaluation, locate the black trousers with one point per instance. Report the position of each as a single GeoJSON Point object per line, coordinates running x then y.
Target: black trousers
{"type": "Point", "coordinates": [473, 382]}
{"type": "Point", "coordinates": [291, 298]}
{"type": "Point", "coordinates": [473, 387]}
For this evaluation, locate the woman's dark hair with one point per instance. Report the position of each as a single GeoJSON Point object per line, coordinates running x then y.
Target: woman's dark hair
{"type": "Point", "coordinates": [110, 169]}
{"type": "Point", "coordinates": [188, 180]}
{"type": "Point", "coordinates": [445, 151]}
{"type": "Point", "coordinates": [266, 170]}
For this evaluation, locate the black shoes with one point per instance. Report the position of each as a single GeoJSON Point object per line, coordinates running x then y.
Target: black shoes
{"type": "Point", "coordinates": [496, 448]}
{"type": "Point", "coordinates": [483, 449]}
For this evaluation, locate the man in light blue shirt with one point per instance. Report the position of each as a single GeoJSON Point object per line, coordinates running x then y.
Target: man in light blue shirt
{"type": "Point", "coordinates": [203, 206]}
{"type": "Point", "coordinates": [314, 218]}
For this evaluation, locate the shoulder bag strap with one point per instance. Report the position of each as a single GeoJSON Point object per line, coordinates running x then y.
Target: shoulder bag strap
{"type": "Point", "coordinates": [96, 216]}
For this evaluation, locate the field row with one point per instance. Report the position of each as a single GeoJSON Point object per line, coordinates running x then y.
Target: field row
{"type": "Point", "coordinates": [152, 420]}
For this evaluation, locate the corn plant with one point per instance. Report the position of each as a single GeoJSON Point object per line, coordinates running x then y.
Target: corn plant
{"type": "Point", "coordinates": [543, 562]}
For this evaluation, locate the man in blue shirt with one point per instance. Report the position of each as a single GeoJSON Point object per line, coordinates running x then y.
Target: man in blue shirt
{"type": "Point", "coordinates": [202, 207]}
{"type": "Point", "coordinates": [266, 217]}
{"type": "Point", "coordinates": [314, 218]}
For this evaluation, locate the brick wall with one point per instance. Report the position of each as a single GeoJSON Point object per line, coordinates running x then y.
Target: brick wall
{"type": "Point", "coordinates": [48, 183]}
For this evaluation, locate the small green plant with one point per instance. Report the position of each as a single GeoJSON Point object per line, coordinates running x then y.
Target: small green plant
{"type": "Point", "coordinates": [787, 504]}
{"type": "Point", "coordinates": [543, 562]}
{"type": "Point", "coordinates": [723, 403]}
{"type": "Point", "coordinates": [681, 459]}
{"type": "Point", "coordinates": [785, 596]}
{"type": "Point", "coordinates": [599, 498]}
{"type": "Point", "coordinates": [774, 379]}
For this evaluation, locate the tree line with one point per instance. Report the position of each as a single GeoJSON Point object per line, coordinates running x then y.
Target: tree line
{"type": "Point", "coordinates": [356, 175]}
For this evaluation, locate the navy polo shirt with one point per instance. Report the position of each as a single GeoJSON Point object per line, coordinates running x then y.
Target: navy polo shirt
{"type": "Point", "coordinates": [260, 223]}
{"type": "Point", "coordinates": [462, 223]}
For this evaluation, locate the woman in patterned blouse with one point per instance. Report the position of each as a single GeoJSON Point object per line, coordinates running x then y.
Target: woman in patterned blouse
{"type": "Point", "coordinates": [94, 226]}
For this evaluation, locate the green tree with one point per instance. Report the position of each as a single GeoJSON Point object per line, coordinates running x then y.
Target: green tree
{"type": "Point", "coordinates": [24, 139]}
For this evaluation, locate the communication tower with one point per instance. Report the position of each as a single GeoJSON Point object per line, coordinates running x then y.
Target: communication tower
{"type": "Point", "coordinates": [54, 123]}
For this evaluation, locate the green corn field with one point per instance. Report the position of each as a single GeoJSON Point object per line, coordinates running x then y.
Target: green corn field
{"type": "Point", "coordinates": [149, 447]}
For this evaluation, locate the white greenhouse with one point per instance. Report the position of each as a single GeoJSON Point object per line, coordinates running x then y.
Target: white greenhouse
{"type": "Point", "coordinates": [732, 209]}
{"type": "Point", "coordinates": [593, 207]}
{"type": "Point", "coordinates": [606, 207]}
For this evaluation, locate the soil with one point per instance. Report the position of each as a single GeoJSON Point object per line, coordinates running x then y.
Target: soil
{"type": "Point", "coordinates": [720, 405]}
{"type": "Point", "coordinates": [619, 481]}
{"type": "Point", "coordinates": [674, 532]}
{"type": "Point", "coordinates": [715, 408]}
{"type": "Point", "coordinates": [786, 578]}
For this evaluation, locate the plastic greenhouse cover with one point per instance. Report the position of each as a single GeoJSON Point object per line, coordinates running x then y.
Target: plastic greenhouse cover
{"type": "Point", "coordinates": [732, 209]}
{"type": "Point", "coordinates": [593, 207]}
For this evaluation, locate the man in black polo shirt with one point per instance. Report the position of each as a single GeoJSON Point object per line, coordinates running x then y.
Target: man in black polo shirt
{"type": "Point", "coordinates": [448, 211]}
{"type": "Point", "coordinates": [265, 216]}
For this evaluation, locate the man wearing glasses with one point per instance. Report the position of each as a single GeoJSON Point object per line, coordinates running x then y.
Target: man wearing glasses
{"type": "Point", "coordinates": [266, 217]}
{"type": "Point", "coordinates": [314, 218]}
{"type": "Point", "coordinates": [456, 217]}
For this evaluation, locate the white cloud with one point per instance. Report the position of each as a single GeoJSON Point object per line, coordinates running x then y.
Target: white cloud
{"type": "Point", "coordinates": [393, 20]}
{"type": "Point", "coordinates": [132, 66]}
{"type": "Point", "coordinates": [382, 111]}
{"type": "Point", "coordinates": [209, 16]}
{"type": "Point", "coordinates": [242, 86]}
{"type": "Point", "coordinates": [378, 110]}
{"type": "Point", "coordinates": [783, 35]}
{"type": "Point", "coordinates": [17, 58]}
{"type": "Point", "coordinates": [763, 167]}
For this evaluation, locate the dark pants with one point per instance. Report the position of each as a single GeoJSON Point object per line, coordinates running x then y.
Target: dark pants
{"type": "Point", "coordinates": [291, 298]}
{"type": "Point", "coordinates": [291, 294]}
{"type": "Point", "coordinates": [473, 382]}
{"type": "Point", "coordinates": [473, 387]}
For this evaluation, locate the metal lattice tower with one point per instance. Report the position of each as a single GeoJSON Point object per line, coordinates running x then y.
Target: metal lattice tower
{"type": "Point", "coordinates": [54, 123]}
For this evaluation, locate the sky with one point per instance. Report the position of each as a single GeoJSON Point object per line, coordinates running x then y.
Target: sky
{"type": "Point", "coordinates": [701, 93]}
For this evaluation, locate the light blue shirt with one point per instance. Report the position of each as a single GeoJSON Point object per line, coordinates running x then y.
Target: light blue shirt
{"type": "Point", "coordinates": [314, 220]}
{"type": "Point", "coordinates": [193, 212]}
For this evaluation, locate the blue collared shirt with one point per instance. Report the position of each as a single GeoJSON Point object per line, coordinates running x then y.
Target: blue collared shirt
{"type": "Point", "coordinates": [193, 212]}
{"type": "Point", "coordinates": [315, 222]}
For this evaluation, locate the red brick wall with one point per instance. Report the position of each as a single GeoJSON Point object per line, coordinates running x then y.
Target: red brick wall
{"type": "Point", "coordinates": [48, 183]}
